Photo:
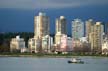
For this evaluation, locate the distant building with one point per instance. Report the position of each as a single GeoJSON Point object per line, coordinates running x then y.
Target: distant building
{"type": "Point", "coordinates": [47, 44]}
{"type": "Point", "coordinates": [89, 27]}
{"type": "Point", "coordinates": [60, 28]}
{"type": "Point", "coordinates": [69, 44]}
{"type": "Point", "coordinates": [41, 25]}
{"type": "Point", "coordinates": [105, 46]}
{"type": "Point", "coordinates": [34, 45]}
{"type": "Point", "coordinates": [58, 38]}
{"type": "Point", "coordinates": [76, 44]}
{"type": "Point", "coordinates": [23, 50]}
{"type": "Point", "coordinates": [77, 29]}
{"type": "Point", "coordinates": [81, 45]}
{"type": "Point", "coordinates": [61, 25]}
{"type": "Point", "coordinates": [63, 43]}
{"type": "Point", "coordinates": [83, 39]}
{"type": "Point", "coordinates": [86, 47]}
{"type": "Point", "coordinates": [96, 37]}
{"type": "Point", "coordinates": [41, 29]}
{"type": "Point", "coordinates": [105, 27]}
{"type": "Point", "coordinates": [16, 44]}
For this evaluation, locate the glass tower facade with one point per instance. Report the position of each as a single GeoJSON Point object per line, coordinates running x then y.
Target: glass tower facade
{"type": "Point", "coordinates": [77, 28]}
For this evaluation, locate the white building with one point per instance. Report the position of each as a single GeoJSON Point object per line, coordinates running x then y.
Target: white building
{"type": "Point", "coordinates": [47, 44]}
{"type": "Point", "coordinates": [16, 44]}
{"type": "Point", "coordinates": [34, 45]}
{"type": "Point", "coordinates": [83, 39]}
{"type": "Point", "coordinates": [105, 47]}
{"type": "Point", "coordinates": [24, 50]}
{"type": "Point", "coordinates": [77, 29]}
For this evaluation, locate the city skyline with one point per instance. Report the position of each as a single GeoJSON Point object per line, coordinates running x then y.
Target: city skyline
{"type": "Point", "coordinates": [94, 40]}
{"type": "Point", "coordinates": [20, 13]}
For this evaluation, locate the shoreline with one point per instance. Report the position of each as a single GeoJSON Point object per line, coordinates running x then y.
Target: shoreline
{"type": "Point", "coordinates": [48, 56]}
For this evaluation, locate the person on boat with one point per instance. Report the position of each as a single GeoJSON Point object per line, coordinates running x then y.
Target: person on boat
{"type": "Point", "coordinates": [74, 60]}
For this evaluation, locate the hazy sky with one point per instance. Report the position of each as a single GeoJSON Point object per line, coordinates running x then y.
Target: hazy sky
{"type": "Point", "coordinates": [45, 4]}
{"type": "Point", "coordinates": [18, 15]}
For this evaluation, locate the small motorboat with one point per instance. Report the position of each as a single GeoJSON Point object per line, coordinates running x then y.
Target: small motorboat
{"type": "Point", "coordinates": [75, 60]}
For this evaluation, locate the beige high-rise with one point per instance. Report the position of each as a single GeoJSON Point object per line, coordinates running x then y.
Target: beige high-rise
{"type": "Point", "coordinates": [41, 25]}
{"type": "Point", "coordinates": [96, 36]}
{"type": "Point", "coordinates": [89, 28]}
{"type": "Point", "coordinates": [61, 25]}
{"type": "Point", "coordinates": [60, 28]}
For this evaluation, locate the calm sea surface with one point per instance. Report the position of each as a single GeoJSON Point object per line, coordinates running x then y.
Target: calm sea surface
{"type": "Point", "coordinates": [52, 64]}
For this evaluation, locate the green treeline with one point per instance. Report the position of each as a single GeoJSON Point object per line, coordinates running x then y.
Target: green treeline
{"type": "Point", "coordinates": [5, 39]}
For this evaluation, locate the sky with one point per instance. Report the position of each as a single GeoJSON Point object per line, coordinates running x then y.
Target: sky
{"type": "Point", "coordinates": [18, 15]}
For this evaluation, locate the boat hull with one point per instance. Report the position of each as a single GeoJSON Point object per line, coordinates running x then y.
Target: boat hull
{"type": "Point", "coordinates": [81, 62]}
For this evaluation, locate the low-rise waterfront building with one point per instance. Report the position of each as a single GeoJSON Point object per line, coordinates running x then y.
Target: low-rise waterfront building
{"type": "Point", "coordinates": [105, 46]}
{"type": "Point", "coordinates": [69, 44]}
{"type": "Point", "coordinates": [23, 50]}
{"type": "Point", "coordinates": [47, 44]}
{"type": "Point", "coordinates": [34, 45]}
{"type": "Point", "coordinates": [76, 45]}
{"type": "Point", "coordinates": [63, 43]}
{"type": "Point", "coordinates": [16, 44]}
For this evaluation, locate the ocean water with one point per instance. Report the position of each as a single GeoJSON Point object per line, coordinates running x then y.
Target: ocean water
{"type": "Point", "coordinates": [52, 64]}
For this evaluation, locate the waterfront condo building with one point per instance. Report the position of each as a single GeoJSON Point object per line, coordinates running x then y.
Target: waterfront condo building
{"type": "Point", "coordinates": [60, 28]}
{"type": "Point", "coordinates": [47, 44]}
{"type": "Point", "coordinates": [41, 29]}
{"type": "Point", "coordinates": [89, 27]}
{"type": "Point", "coordinates": [34, 45]}
{"type": "Point", "coordinates": [41, 25]}
{"type": "Point", "coordinates": [77, 29]}
{"type": "Point", "coordinates": [17, 44]}
{"type": "Point", "coordinates": [105, 46]}
{"type": "Point", "coordinates": [96, 37]}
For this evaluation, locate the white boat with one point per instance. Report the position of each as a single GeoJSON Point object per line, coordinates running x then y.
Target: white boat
{"type": "Point", "coordinates": [75, 60]}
